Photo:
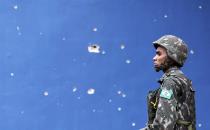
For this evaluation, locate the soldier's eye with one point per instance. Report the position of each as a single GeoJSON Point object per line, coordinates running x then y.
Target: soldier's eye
{"type": "Point", "coordinates": [158, 53]}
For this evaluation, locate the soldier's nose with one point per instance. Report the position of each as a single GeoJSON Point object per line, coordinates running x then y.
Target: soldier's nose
{"type": "Point", "coordinates": [154, 58]}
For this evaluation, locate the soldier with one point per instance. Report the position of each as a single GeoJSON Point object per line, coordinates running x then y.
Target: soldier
{"type": "Point", "coordinates": [172, 105]}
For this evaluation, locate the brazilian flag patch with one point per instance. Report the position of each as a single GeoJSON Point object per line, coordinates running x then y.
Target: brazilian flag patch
{"type": "Point", "coordinates": [166, 93]}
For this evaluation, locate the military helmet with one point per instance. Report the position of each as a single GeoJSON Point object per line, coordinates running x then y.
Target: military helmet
{"type": "Point", "coordinates": [175, 47]}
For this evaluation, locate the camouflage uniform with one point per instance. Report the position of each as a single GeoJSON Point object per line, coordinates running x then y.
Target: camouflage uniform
{"type": "Point", "coordinates": [172, 105]}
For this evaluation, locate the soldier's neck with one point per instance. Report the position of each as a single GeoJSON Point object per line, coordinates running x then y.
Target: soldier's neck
{"type": "Point", "coordinates": [169, 69]}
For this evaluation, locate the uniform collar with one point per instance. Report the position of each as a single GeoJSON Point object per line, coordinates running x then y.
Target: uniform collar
{"type": "Point", "coordinates": [172, 70]}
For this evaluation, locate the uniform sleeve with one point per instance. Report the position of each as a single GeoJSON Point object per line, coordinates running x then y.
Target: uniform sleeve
{"type": "Point", "coordinates": [166, 114]}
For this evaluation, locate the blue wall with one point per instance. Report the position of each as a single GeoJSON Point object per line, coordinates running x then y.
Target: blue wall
{"type": "Point", "coordinates": [46, 69]}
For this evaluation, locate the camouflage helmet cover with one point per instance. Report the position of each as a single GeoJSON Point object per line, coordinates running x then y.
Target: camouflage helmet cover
{"type": "Point", "coordinates": [175, 47]}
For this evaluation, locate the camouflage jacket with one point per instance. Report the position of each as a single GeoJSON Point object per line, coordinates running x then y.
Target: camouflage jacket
{"type": "Point", "coordinates": [172, 105]}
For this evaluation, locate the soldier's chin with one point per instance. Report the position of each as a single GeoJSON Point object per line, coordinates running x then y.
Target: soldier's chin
{"type": "Point", "coordinates": [157, 69]}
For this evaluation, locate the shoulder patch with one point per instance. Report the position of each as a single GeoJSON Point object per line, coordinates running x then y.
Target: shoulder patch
{"type": "Point", "coordinates": [166, 93]}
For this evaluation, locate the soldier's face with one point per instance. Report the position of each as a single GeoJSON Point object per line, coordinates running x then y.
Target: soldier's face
{"type": "Point", "coordinates": [160, 58]}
